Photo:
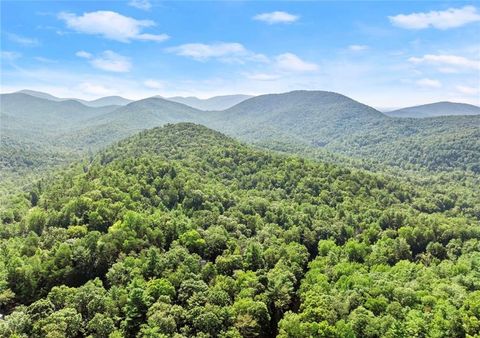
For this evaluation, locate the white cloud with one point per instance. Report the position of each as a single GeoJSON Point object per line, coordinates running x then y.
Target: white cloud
{"type": "Point", "coordinates": [357, 48]}
{"type": "Point", "coordinates": [74, 82]}
{"type": "Point", "coordinates": [468, 90]}
{"type": "Point", "coordinates": [141, 4]}
{"type": "Point", "coordinates": [44, 60]}
{"type": "Point", "coordinates": [83, 54]}
{"type": "Point", "coordinates": [154, 84]}
{"type": "Point", "coordinates": [22, 40]}
{"type": "Point", "coordinates": [10, 56]}
{"type": "Point", "coordinates": [223, 51]}
{"type": "Point", "coordinates": [262, 76]}
{"type": "Point", "coordinates": [429, 83]}
{"type": "Point", "coordinates": [113, 62]}
{"type": "Point", "coordinates": [94, 89]}
{"type": "Point", "coordinates": [108, 61]}
{"type": "Point", "coordinates": [276, 17]}
{"type": "Point", "coordinates": [111, 25]}
{"type": "Point", "coordinates": [447, 70]}
{"type": "Point", "coordinates": [450, 18]}
{"type": "Point", "coordinates": [292, 63]}
{"type": "Point", "coordinates": [450, 61]}
{"type": "Point", "coordinates": [336, 75]}
{"type": "Point", "coordinates": [200, 51]}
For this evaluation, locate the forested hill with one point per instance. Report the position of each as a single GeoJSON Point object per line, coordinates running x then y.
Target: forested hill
{"type": "Point", "coordinates": [309, 116]}
{"type": "Point", "coordinates": [147, 113]}
{"type": "Point", "coordinates": [181, 231]}
{"type": "Point", "coordinates": [302, 121]}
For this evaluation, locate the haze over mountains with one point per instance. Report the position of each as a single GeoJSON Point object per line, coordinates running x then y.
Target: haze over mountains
{"type": "Point", "coordinates": [212, 103]}
{"type": "Point", "coordinates": [436, 109]}
{"type": "Point", "coordinates": [103, 101]}
{"type": "Point", "coordinates": [301, 121]}
{"type": "Point", "coordinates": [224, 102]}
{"type": "Point", "coordinates": [33, 109]}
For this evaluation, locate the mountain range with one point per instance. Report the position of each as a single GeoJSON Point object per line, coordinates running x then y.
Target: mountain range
{"type": "Point", "coordinates": [224, 102]}
{"type": "Point", "coordinates": [298, 121]}
{"type": "Point", "coordinates": [212, 103]}
{"type": "Point", "coordinates": [103, 101]}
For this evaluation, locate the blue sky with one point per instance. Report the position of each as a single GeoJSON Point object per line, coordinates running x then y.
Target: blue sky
{"type": "Point", "coordinates": [383, 53]}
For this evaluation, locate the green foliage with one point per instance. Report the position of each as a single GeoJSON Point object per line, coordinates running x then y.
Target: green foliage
{"type": "Point", "coordinates": [182, 232]}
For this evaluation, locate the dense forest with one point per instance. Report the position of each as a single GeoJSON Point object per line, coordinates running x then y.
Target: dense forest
{"type": "Point", "coordinates": [180, 231]}
{"type": "Point", "coordinates": [41, 133]}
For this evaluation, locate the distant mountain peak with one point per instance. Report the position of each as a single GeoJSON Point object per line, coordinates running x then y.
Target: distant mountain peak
{"type": "Point", "coordinates": [100, 102]}
{"type": "Point", "coordinates": [213, 103]}
{"type": "Point", "coordinates": [328, 104]}
{"type": "Point", "coordinates": [40, 95]}
{"type": "Point", "coordinates": [442, 108]}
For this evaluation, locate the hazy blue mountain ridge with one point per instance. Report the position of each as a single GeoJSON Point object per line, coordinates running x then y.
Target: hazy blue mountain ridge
{"type": "Point", "coordinates": [213, 103]}
{"type": "Point", "coordinates": [100, 102]}
{"type": "Point", "coordinates": [436, 109]}
{"type": "Point", "coordinates": [299, 120]}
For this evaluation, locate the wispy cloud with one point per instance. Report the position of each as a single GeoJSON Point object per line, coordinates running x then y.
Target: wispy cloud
{"type": "Point", "coordinates": [95, 89]}
{"type": "Point", "coordinates": [141, 4]}
{"type": "Point", "coordinates": [286, 65]}
{"type": "Point", "coordinates": [9, 55]}
{"type": "Point", "coordinates": [292, 63]}
{"type": "Point", "coordinates": [262, 76]}
{"type": "Point", "coordinates": [451, 61]}
{"type": "Point", "coordinates": [83, 54]}
{"type": "Point", "coordinates": [468, 90]}
{"type": "Point", "coordinates": [22, 40]}
{"type": "Point", "coordinates": [222, 51]}
{"type": "Point", "coordinates": [276, 17]}
{"type": "Point", "coordinates": [108, 61]}
{"type": "Point", "coordinates": [357, 48]}
{"type": "Point", "coordinates": [111, 25]}
{"type": "Point", "coordinates": [430, 83]}
{"type": "Point", "coordinates": [450, 18]}
{"type": "Point", "coordinates": [73, 83]}
{"type": "Point", "coordinates": [44, 60]}
{"type": "Point", "coordinates": [154, 84]}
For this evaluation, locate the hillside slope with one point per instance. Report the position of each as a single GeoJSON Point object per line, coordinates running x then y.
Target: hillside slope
{"type": "Point", "coordinates": [149, 112]}
{"type": "Point", "coordinates": [42, 131]}
{"type": "Point", "coordinates": [30, 131]}
{"type": "Point", "coordinates": [182, 230]}
{"type": "Point", "coordinates": [127, 120]}
{"type": "Point", "coordinates": [303, 121]}
{"type": "Point", "coordinates": [312, 116]}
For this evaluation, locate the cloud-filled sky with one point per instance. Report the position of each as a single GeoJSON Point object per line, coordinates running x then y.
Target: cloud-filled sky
{"type": "Point", "coordinates": [385, 53]}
